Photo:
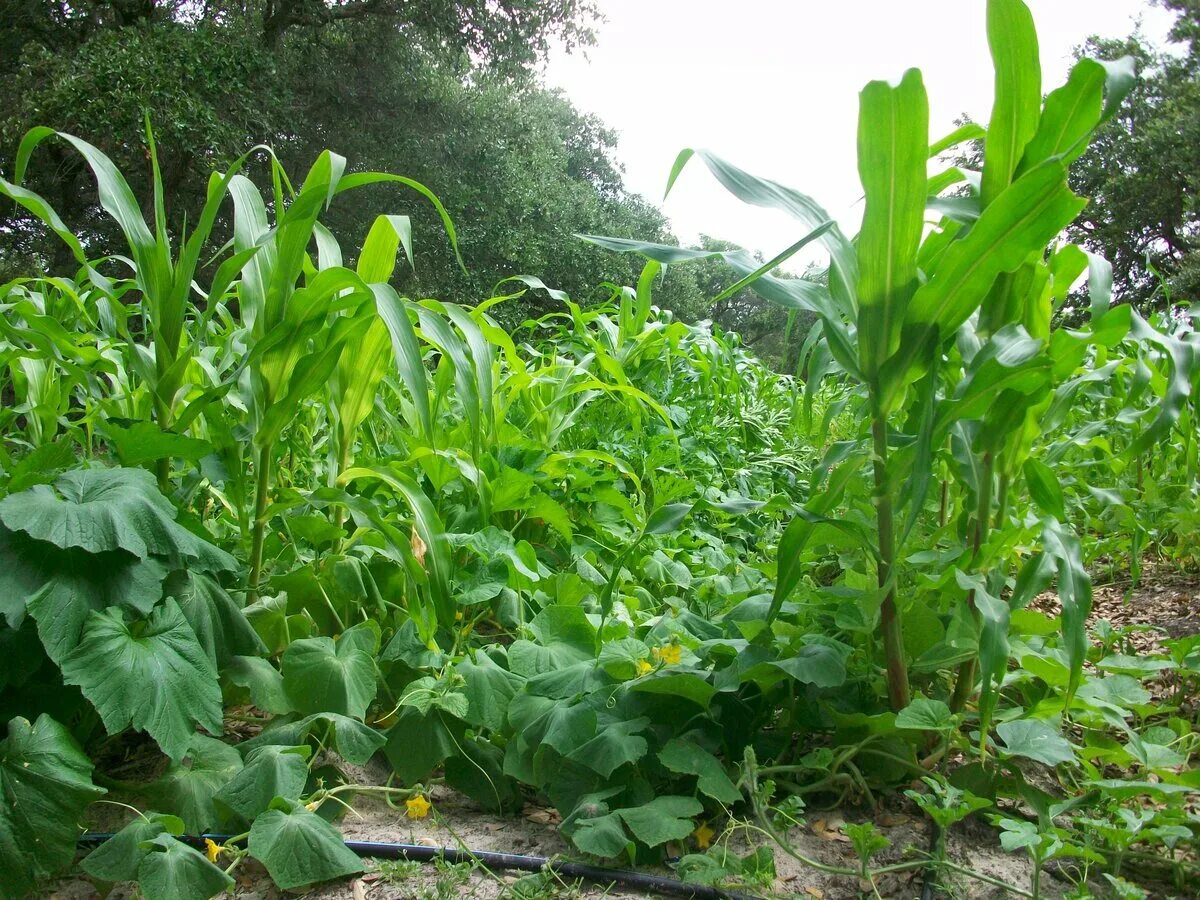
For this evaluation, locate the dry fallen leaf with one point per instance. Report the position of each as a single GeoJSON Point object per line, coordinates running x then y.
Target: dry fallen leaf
{"type": "Point", "coordinates": [815, 892]}
{"type": "Point", "coordinates": [359, 891]}
{"type": "Point", "coordinates": [891, 820]}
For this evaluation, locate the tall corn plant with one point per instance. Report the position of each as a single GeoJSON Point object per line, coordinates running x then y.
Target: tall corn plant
{"type": "Point", "coordinates": [901, 301]}
{"type": "Point", "coordinates": [164, 279]}
{"type": "Point", "coordinates": [302, 318]}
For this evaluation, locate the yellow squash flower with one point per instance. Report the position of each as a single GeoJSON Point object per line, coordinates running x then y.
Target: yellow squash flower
{"type": "Point", "coordinates": [704, 835]}
{"type": "Point", "coordinates": [644, 668]}
{"type": "Point", "coordinates": [670, 654]}
{"type": "Point", "coordinates": [212, 850]}
{"type": "Point", "coordinates": [418, 807]}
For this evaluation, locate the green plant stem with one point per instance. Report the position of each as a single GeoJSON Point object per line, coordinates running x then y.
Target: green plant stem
{"type": "Point", "coordinates": [893, 629]}
{"type": "Point", "coordinates": [965, 684]}
{"type": "Point", "coordinates": [259, 526]}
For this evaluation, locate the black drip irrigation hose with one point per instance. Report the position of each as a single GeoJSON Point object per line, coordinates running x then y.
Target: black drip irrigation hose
{"type": "Point", "coordinates": [670, 887]}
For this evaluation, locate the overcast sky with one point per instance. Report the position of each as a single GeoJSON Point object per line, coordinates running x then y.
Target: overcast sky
{"type": "Point", "coordinates": [772, 85]}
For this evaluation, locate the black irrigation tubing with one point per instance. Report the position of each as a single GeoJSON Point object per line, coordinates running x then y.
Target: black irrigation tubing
{"type": "Point", "coordinates": [670, 887]}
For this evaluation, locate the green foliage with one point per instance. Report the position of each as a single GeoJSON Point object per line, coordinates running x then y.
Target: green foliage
{"type": "Point", "coordinates": [596, 556]}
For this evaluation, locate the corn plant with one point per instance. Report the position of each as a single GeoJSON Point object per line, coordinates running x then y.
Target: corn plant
{"type": "Point", "coordinates": [903, 301]}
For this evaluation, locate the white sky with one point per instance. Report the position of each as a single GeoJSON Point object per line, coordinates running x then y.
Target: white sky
{"type": "Point", "coordinates": [772, 86]}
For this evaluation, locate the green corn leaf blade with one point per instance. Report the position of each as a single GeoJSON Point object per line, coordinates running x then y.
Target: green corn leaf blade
{"type": "Point", "coordinates": [428, 525]}
{"type": "Point", "coordinates": [993, 642]}
{"type": "Point", "coordinates": [172, 870]}
{"type": "Point", "coordinates": [771, 195]}
{"type": "Point", "coordinates": [667, 518]}
{"type": "Point", "coordinates": [1184, 364]}
{"type": "Point", "coordinates": [151, 675]}
{"type": "Point", "coordinates": [1044, 489]}
{"type": "Point", "coordinates": [1074, 592]}
{"type": "Point", "coordinates": [783, 256]}
{"type": "Point", "coordinates": [1016, 109]}
{"type": "Point", "coordinates": [360, 369]}
{"type": "Point", "coordinates": [270, 771]}
{"type": "Point", "coordinates": [377, 258]}
{"type": "Point", "coordinates": [969, 131]}
{"type": "Point", "coordinates": [893, 136]}
{"type": "Point", "coordinates": [320, 675]}
{"type": "Point", "coordinates": [1070, 115]}
{"type": "Point", "coordinates": [437, 331]}
{"type": "Point", "coordinates": [1019, 223]}
{"type": "Point", "coordinates": [483, 358]}
{"type": "Point", "coordinates": [45, 785]}
{"type": "Point", "coordinates": [361, 179]}
{"type": "Point", "coordinates": [300, 848]}
{"type": "Point", "coordinates": [406, 350]}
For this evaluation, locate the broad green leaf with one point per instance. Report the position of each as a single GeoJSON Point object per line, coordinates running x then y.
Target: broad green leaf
{"type": "Point", "coordinates": [489, 690]}
{"type": "Point", "coordinates": [814, 664]}
{"type": "Point", "coordinates": [662, 819]}
{"type": "Point", "coordinates": [262, 680]}
{"type": "Point", "coordinates": [925, 715]}
{"type": "Point", "coordinates": [152, 675]}
{"type": "Point", "coordinates": [602, 836]}
{"type": "Point", "coordinates": [99, 510]}
{"type": "Point", "coordinates": [60, 588]}
{"type": "Point", "coordinates": [45, 785]}
{"type": "Point", "coordinates": [354, 742]}
{"type": "Point", "coordinates": [269, 772]}
{"type": "Point", "coordinates": [681, 755]}
{"type": "Point", "coordinates": [189, 785]}
{"type": "Point", "coordinates": [215, 617]}
{"type": "Point", "coordinates": [117, 859]}
{"type": "Point", "coordinates": [667, 518]}
{"type": "Point", "coordinates": [893, 138]}
{"type": "Point", "coordinates": [613, 746]}
{"type": "Point", "coordinates": [419, 742]}
{"type": "Point", "coordinates": [174, 871]}
{"type": "Point", "coordinates": [143, 442]}
{"type": "Point", "coordinates": [321, 676]}
{"type": "Point", "coordinates": [299, 848]}
{"type": "Point", "coordinates": [1036, 740]}
{"type": "Point", "coordinates": [688, 685]}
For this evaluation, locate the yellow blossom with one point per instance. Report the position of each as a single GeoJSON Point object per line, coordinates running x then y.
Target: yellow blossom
{"type": "Point", "coordinates": [418, 807]}
{"type": "Point", "coordinates": [212, 850]}
{"type": "Point", "coordinates": [670, 654]}
{"type": "Point", "coordinates": [643, 667]}
{"type": "Point", "coordinates": [703, 835]}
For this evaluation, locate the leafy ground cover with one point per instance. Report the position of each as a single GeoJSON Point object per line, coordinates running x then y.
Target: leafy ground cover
{"type": "Point", "coordinates": [279, 542]}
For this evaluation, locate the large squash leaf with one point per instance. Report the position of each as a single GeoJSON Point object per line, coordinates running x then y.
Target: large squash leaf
{"type": "Point", "coordinates": [59, 588]}
{"type": "Point", "coordinates": [150, 674]}
{"type": "Point", "coordinates": [45, 784]}
{"type": "Point", "coordinates": [98, 510]}
{"type": "Point", "coordinates": [298, 847]}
